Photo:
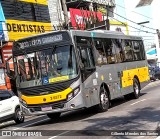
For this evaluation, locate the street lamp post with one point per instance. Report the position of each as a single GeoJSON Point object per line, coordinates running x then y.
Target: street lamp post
{"type": "Point", "coordinates": [141, 23]}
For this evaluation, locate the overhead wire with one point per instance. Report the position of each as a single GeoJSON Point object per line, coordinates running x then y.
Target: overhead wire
{"type": "Point", "coordinates": [133, 21]}
{"type": "Point", "coordinates": [133, 27]}
{"type": "Point", "coordinates": [134, 12]}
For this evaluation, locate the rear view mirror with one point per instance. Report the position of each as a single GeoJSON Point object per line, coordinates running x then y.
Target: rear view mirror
{"type": "Point", "coordinates": [9, 72]}
{"type": "Point", "coordinates": [8, 69]}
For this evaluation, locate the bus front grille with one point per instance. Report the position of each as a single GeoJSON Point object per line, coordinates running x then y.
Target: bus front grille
{"type": "Point", "coordinates": [50, 88]}
{"type": "Point", "coordinates": [38, 108]}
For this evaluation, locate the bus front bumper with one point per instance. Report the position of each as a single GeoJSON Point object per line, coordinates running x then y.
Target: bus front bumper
{"type": "Point", "coordinates": [73, 104]}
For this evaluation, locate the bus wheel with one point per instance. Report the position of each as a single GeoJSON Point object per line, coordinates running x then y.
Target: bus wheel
{"type": "Point", "coordinates": [136, 89]}
{"type": "Point", "coordinates": [104, 101]}
{"type": "Point", "coordinates": [54, 116]}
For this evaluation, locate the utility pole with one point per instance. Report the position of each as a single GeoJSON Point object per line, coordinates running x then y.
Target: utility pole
{"type": "Point", "coordinates": [107, 20]}
{"type": "Point", "coordinates": [65, 11]}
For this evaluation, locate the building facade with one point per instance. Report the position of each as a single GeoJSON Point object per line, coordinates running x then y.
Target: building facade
{"type": "Point", "coordinates": [55, 11]}
{"type": "Point", "coordinates": [156, 24]}
{"type": "Point", "coordinates": [151, 8]}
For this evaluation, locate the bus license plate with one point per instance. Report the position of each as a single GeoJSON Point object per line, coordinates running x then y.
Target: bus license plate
{"type": "Point", "coordinates": [46, 108]}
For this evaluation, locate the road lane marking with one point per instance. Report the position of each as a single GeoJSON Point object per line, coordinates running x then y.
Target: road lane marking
{"type": "Point", "coordinates": [158, 137]}
{"type": "Point", "coordinates": [31, 124]}
{"type": "Point", "coordinates": [59, 135]}
{"type": "Point", "coordinates": [138, 102]}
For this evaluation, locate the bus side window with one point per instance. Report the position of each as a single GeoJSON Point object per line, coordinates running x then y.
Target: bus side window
{"type": "Point", "coordinates": [100, 52]}
{"type": "Point", "coordinates": [142, 50]}
{"type": "Point", "coordinates": [120, 56]}
{"type": "Point", "coordinates": [128, 50]}
{"type": "Point", "coordinates": [110, 51]}
{"type": "Point", "coordinates": [136, 51]}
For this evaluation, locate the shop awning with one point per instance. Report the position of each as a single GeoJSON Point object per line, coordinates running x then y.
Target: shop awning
{"type": "Point", "coordinates": [151, 53]}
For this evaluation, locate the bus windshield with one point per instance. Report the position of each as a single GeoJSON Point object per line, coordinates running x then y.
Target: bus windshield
{"type": "Point", "coordinates": [50, 65]}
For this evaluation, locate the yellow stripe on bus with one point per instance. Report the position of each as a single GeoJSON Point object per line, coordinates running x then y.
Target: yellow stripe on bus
{"type": "Point", "coordinates": [31, 100]}
{"type": "Point", "coordinates": [128, 76]}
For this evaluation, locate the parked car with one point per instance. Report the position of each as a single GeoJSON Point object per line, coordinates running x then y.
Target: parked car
{"type": "Point", "coordinates": [154, 72]}
{"type": "Point", "coordinates": [10, 107]}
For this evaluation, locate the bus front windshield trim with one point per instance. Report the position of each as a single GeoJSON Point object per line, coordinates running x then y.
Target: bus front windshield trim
{"type": "Point", "coordinates": [49, 65]}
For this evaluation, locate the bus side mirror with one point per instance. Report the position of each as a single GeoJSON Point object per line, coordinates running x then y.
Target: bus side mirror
{"type": "Point", "coordinates": [9, 72]}
{"type": "Point", "coordinates": [8, 69]}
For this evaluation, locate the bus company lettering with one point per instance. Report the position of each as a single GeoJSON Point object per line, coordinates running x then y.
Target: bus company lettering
{"type": "Point", "coordinates": [25, 28]}
{"type": "Point", "coordinates": [41, 41]}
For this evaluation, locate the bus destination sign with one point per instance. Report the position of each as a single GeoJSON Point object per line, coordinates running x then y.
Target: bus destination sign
{"type": "Point", "coordinates": [40, 41]}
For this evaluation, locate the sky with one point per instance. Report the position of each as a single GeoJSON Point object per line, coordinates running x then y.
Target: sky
{"type": "Point", "coordinates": [138, 15]}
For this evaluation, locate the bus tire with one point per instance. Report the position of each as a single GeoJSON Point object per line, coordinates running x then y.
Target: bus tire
{"type": "Point", "coordinates": [54, 116]}
{"type": "Point", "coordinates": [104, 100]}
{"type": "Point", "coordinates": [136, 89]}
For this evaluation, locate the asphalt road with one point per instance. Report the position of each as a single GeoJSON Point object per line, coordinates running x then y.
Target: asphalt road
{"type": "Point", "coordinates": [138, 114]}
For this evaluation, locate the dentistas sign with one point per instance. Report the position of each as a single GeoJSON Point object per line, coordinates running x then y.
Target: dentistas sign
{"type": "Point", "coordinates": [20, 29]}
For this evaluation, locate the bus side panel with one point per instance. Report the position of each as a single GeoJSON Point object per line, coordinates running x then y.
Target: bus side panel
{"type": "Point", "coordinates": [90, 89]}
{"type": "Point", "coordinates": [108, 74]}
{"type": "Point", "coordinates": [138, 69]}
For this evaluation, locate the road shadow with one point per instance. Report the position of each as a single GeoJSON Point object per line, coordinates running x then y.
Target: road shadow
{"type": "Point", "coordinates": [81, 114]}
{"type": "Point", "coordinates": [71, 116]}
{"type": "Point", "coordinates": [140, 119]}
{"type": "Point", "coordinates": [6, 124]}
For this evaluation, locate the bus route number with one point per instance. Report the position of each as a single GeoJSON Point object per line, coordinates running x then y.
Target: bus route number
{"type": "Point", "coordinates": [56, 97]}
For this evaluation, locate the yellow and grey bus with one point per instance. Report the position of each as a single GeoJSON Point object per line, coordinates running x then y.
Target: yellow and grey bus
{"type": "Point", "coordinates": [67, 70]}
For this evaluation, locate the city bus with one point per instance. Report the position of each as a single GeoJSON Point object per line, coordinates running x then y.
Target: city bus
{"type": "Point", "coordinates": [63, 71]}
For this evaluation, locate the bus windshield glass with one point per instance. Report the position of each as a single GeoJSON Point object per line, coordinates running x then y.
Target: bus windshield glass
{"type": "Point", "coordinates": [48, 65]}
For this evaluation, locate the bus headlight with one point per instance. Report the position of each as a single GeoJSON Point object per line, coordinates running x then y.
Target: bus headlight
{"type": "Point", "coordinates": [73, 93]}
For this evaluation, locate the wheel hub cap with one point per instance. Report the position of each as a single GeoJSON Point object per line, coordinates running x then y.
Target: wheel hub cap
{"type": "Point", "coordinates": [104, 99]}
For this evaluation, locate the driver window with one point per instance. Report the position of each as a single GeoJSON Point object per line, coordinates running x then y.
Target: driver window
{"type": "Point", "coordinates": [87, 57]}
{"type": "Point", "coordinates": [86, 51]}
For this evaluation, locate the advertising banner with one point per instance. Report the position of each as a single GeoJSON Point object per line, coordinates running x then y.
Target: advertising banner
{"type": "Point", "coordinates": [80, 19]}
{"type": "Point", "coordinates": [19, 29]}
